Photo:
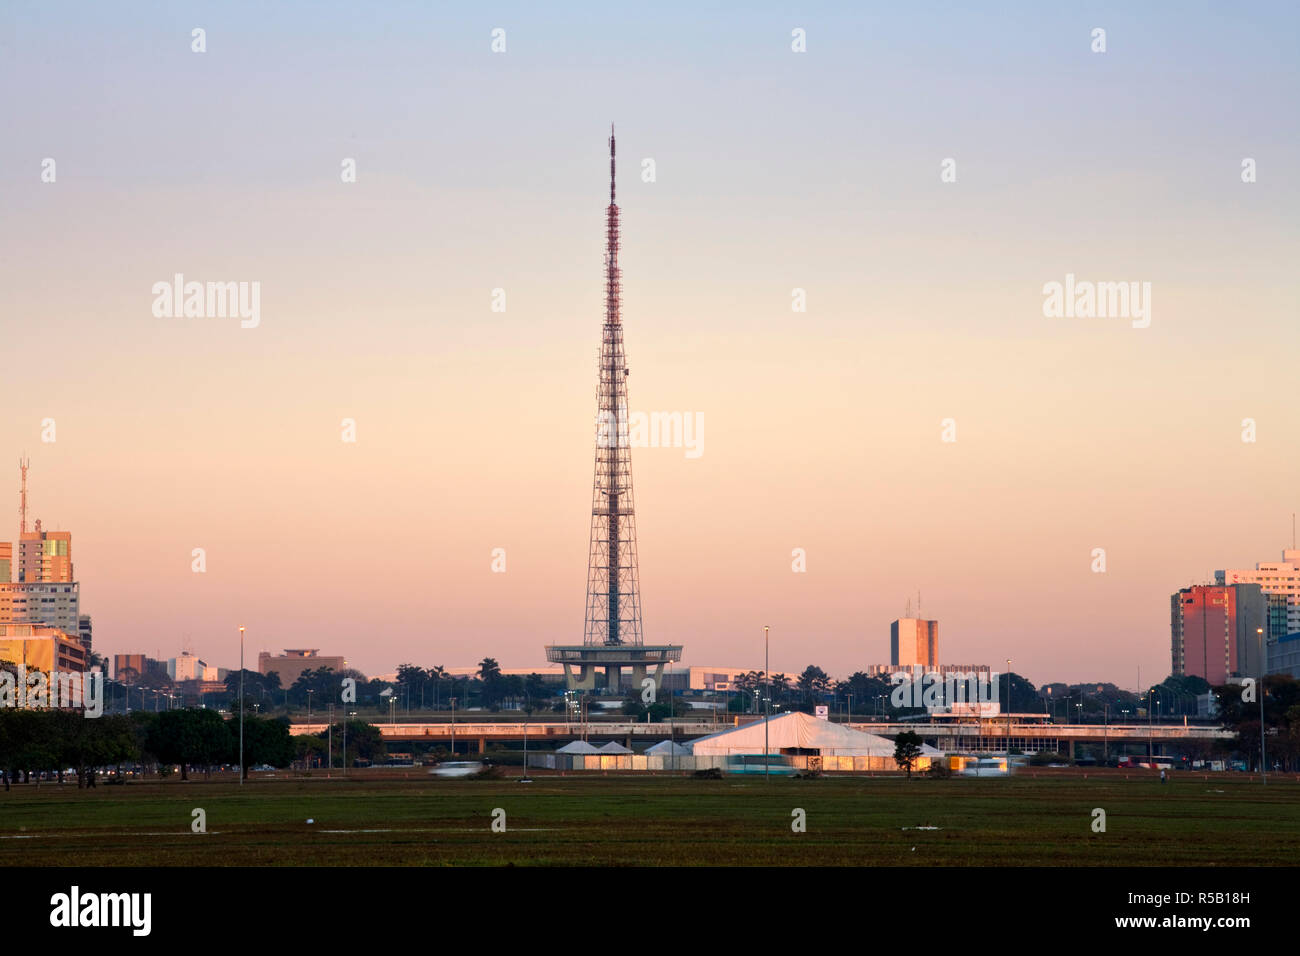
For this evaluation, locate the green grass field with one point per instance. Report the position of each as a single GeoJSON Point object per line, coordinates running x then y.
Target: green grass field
{"type": "Point", "coordinates": [657, 820]}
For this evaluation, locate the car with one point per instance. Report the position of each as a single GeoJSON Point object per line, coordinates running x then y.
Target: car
{"type": "Point", "coordinates": [457, 768]}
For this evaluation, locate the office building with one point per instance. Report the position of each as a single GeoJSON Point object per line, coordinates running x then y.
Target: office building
{"type": "Point", "coordinates": [130, 668]}
{"type": "Point", "coordinates": [1215, 631]}
{"type": "Point", "coordinates": [1281, 578]}
{"type": "Point", "coordinates": [291, 664]}
{"type": "Point", "coordinates": [914, 643]}
{"type": "Point", "coordinates": [38, 602]}
{"type": "Point", "coordinates": [186, 667]}
{"type": "Point", "coordinates": [45, 556]}
{"type": "Point", "coordinates": [6, 562]}
{"type": "Point", "coordinates": [41, 648]}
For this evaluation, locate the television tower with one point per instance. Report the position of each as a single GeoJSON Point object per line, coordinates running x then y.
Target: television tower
{"type": "Point", "coordinates": [612, 637]}
{"type": "Point", "coordinates": [613, 592]}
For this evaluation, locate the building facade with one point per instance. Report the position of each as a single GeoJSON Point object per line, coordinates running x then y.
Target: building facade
{"type": "Point", "coordinates": [914, 642]}
{"type": "Point", "coordinates": [129, 668]}
{"type": "Point", "coordinates": [40, 648]}
{"type": "Point", "coordinates": [1280, 578]}
{"type": "Point", "coordinates": [186, 667]}
{"type": "Point", "coordinates": [1284, 656]}
{"type": "Point", "coordinates": [45, 556]}
{"type": "Point", "coordinates": [38, 602]}
{"type": "Point", "coordinates": [291, 664]}
{"type": "Point", "coordinates": [1218, 631]}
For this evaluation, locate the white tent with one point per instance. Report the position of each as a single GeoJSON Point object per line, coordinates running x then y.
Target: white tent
{"type": "Point", "coordinates": [577, 747]}
{"type": "Point", "coordinates": [614, 747]}
{"type": "Point", "coordinates": [801, 731]}
{"type": "Point", "coordinates": [669, 748]}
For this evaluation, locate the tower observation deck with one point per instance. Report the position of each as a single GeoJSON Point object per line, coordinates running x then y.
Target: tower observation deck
{"type": "Point", "coordinates": [612, 638]}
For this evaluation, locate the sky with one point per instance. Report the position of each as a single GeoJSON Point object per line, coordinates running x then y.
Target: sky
{"type": "Point", "coordinates": [774, 170]}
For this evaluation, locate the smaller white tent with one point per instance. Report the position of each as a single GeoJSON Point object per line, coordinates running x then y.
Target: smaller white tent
{"type": "Point", "coordinates": [614, 747]}
{"type": "Point", "coordinates": [669, 748]}
{"type": "Point", "coordinates": [578, 747]}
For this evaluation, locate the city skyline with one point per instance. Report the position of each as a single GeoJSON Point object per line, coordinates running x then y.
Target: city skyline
{"type": "Point", "coordinates": [823, 429]}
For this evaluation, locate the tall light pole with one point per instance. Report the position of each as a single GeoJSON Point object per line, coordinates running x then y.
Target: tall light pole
{"type": "Point", "coordinates": [453, 728]}
{"type": "Point", "coordinates": [1263, 762]}
{"type": "Point", "coordinates": [241, 705]}
{"type": "Point", "coordinates": [1009, 715]}
{"type": "Point", "coordinates": [1105, 736]}
{"type": "Point", "coordinates": [767, 704]}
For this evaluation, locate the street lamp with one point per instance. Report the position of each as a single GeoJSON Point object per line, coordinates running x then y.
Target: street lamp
{"type": "Point", "coordinates": [241, 705]}
{"type": "Point", "coordinates": [453, 728]}
{"type": "Point", "coordinates": [767, 705]}
{"type": "Point", "coordinates": [1009, 715]}
{"type": "Point", "coordinates": [1263, 669]}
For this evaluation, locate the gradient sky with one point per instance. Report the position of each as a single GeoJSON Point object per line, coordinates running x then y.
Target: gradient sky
{"type": "Point", "coordinates": [775, 170]}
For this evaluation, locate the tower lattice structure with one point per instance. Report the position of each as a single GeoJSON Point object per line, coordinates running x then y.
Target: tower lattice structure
{"type": "Point", "coordinates": [613, 590]}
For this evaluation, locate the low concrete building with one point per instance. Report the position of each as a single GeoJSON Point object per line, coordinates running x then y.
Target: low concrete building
{"type": "Point", "coordinates": [291, 664]}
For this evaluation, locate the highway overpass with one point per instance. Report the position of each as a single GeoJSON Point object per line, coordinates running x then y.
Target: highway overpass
{"type": "Point", "coordinates": [985, 736]}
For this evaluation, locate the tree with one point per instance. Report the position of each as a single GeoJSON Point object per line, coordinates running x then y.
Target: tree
{"type": "Point", "coordinates": [309, 747]}
{"type": "Point", "coordinates": [365, 742]}
{"type": "Point", "coordinates": [907, 748]}
{"type": "Point", "coordinates": [266, 740]}
{"type": "Point", "coordinates": [814, 685]}
{"type": "Point", "coordinates": [88, 743]}
{"type": "Point", "coordinates": [193, 735]}
{"type": "Point", "coordinates": [780, 687]}
{"type": "Point", "coordinates": [256, 685]}
{"type": "Point", "coordinates": [489, 673]}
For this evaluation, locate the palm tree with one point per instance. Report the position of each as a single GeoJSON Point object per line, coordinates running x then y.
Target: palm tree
{"type": "Point", "coordinates": [438, 674]}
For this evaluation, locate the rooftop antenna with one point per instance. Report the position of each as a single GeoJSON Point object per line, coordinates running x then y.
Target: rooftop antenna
{"type": "Point", "coordinates": [907, 610]}
{"type": "Point", "coordinates": [918, 604]}
{"type": "Point", "coordinates": [611, 164]}
{"type": "Point", "coordinates": [23, 463]}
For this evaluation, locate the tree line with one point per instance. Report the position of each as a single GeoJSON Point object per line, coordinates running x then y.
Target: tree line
{"type": "Point", "coordinates": [35, 742]}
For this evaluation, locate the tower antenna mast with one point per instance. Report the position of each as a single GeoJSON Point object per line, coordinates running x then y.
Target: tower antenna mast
{"type": "Point", "coordinates": [23, 464]}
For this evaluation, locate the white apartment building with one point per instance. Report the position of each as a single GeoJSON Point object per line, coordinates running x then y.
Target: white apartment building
{"type": "Point", "coordinates": [55, 604]}
{"type": "Point", "coordinates": [186, 667]}
{"type": "Point", "coordinates": [1273, 578]}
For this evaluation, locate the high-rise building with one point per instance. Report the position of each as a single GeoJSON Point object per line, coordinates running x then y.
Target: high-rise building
{"type": "Point", "coordinates": [6, 562]}
{"type": "Point", "coordinates": [45, 556]}
{"type": "Point", "coordinates": [914, 642]}
{"type": "Point", "coordinates": [1215, 631]}
{"type": "Point", "coordinates": [1280, 577]}
{"type": "Point", "coordinates": [39, 602]}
